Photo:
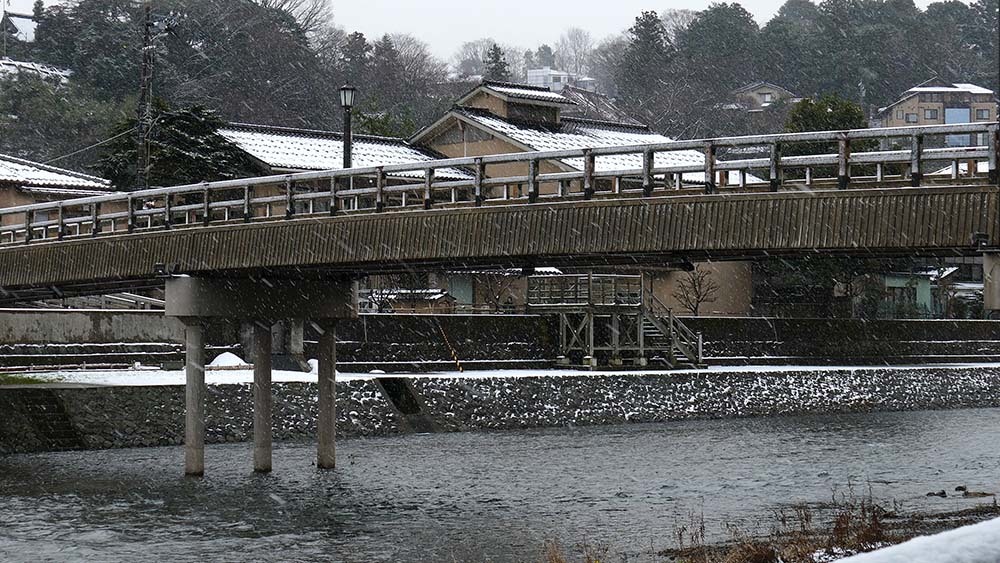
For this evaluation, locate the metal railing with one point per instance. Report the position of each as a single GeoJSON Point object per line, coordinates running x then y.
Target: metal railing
{"type": "Point", "coordinates": [607, 172]}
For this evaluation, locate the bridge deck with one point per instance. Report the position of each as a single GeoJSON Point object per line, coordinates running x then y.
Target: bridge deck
{"type": "Point", "coordinates": [948, 221]}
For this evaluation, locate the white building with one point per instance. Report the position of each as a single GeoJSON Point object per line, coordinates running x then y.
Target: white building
{"type": "Point", "coordinates": [556, 80]}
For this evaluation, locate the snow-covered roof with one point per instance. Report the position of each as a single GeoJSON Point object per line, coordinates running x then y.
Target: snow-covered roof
{"type": "Point", "coordinates": [517, 92]}
{"type": "Point", "coordinates": [23, 25]}
{"type": "Point", "coordinates": [935, 87]}
{"type": "Point", "coordinates": [305, 149]}
{"type": "Point", "coordinates": [399, 294]}
{"type": "Point", "coordinates": [12, 67]}
{"type": "Point", "coordinates": [574, 133]}
{"type": "Point", "coordinates": [958, 87]}
{"type": "Point", "coordinates": [35, 177]}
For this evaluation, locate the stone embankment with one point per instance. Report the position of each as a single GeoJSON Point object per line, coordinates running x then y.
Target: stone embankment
{"type": "Point", "coordinates": [37, 419]}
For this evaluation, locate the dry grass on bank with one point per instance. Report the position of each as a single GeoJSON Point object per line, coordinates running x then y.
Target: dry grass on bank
{"type": "Point", "coordinates": [14, 379]}
{"type": "Point", "coordinates": [824, 533]}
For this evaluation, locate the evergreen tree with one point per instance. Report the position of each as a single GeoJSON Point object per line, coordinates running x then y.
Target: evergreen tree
{"type": "Point", "coordinates": [355, 57]}
{"type": "Point", "coordinates": [644, 68]}
{"type": "Point", "coordinates": [545, 57]}
{"type": "Point", "coordinates": [184, 148]}
{"type": "Point", "coordinates": [496, 65]}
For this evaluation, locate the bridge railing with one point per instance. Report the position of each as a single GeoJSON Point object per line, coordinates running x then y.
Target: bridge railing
{"type": "Point", "coordinates": [900, 156]}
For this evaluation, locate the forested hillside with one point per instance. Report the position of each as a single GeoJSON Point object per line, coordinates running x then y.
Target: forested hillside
{"type": "Point", "coordinates": [282, 61]}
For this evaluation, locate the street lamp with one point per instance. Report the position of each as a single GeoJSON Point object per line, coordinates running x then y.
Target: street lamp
{"type": "Point", "coordinates": [347, 94]}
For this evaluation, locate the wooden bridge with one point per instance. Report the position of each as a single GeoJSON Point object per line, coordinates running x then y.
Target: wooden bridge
{"type": "Point", "coordinates": [864, 198]}
{"type": "Point", "coordinates": [261, 249]}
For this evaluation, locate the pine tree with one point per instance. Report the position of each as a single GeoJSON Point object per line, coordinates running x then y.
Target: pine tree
{"type": "Point", "coordinates": [184, 148]}
{"type": "Point", "coordinates": [496, 65]}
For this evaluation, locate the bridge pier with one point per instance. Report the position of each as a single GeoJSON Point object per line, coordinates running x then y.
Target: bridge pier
{"type": "Point", "coordinates": [326, 424]}
{"type": "Point", "coordinates": [198, 301]}
{"type": "Point", "coordinates": [194, 416]}
{"type": "Point", "coordinates": [991, 284]}
{"type": "Point", "coordinates": [263, 401]}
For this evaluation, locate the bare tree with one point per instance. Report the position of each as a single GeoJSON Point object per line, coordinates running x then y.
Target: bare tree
{"type": "Point", "coordinates": [470, 59]}
{"type": "Point", "coordinates": [573, 51]}
{"type": "Point", "coordinates": [312, 15]}
{"type": "Point", "coordinates": [604, 61]}
{"type": "Point", "coordinates": [695, 288]}
{"type": "Point", "coordinates": [675, 21]}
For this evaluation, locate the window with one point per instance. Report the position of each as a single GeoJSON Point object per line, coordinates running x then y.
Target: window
{"type": "Point", "coordinates": [556, 79]}
{"type": "Point", "coordinates": [899, 114]}
{"type": "Point", "coordinates": [911, 118]}
{"type": "Point", "coordinates": [982, 114]}
{"type": "Point", "coordinates": [767, 97]}
{"type": "Point", "coordinates": [930, 114]}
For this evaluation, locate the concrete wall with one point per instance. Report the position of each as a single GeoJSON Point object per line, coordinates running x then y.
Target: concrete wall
{"type": "Point", "coordinates": [32, 326]}
{"type": "Point", "coordinates": [735, 293]}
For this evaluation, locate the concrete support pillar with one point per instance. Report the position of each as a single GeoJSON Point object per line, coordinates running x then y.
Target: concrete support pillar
{"type": "Point", "coordinates": [263, 401]}
{"type": "Point", "coordinates": [991, 283]}
{"type": "Point", "coordinates": [194, 420]}
{"type": "Point", "coordinates": [326, 425]}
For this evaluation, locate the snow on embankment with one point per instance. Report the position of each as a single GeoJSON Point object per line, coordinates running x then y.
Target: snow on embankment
{"type": "Point", "coordinates": [979, 543]}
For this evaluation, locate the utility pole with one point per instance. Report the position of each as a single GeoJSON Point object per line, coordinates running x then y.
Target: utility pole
{"type": "Point", "coordinates": [145, 106]}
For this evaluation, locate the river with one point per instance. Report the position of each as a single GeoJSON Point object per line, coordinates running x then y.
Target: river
{"type": "Point", "coordinates": [483, 496]}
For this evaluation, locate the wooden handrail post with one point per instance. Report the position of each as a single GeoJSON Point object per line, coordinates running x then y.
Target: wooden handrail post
{"type": "Point", "coordinates": [843, 162]}
{"type": "Point", "coordinates": [709, 168]}
{"type": "Point", "coordinates": [533, 180]}
{"type": "Point", "coordinates": [480, 176]}
{"type": "Point", "coordinates": [29, 218]}
{"type": "Point", "coordinates": [95, 222]}
{"type": "Point", "coordinates": [289, 200]}
{"type": "Point", "coordinates": [588, 173]}
{"type": "Point", "coordinates": [247, 207]}
{"type": "Point", "coordinates": [206, 213]}
{"type": "Point", "coordinates": [380, 189]}
{"type": "Point", "coordinates": [994, 156]}
{"type": "Point", "coordinates": [167, 211]}
{"type": "Point", "coordinates": [334, 206]}
{"type": "Point", "coordinates": [428, 193]}
{"type": "Point", "coordinates": [775, 172]}
{"type": "Point", "coordinates": [130, 215]}
{"type": "Point", "coordinates": [647, 173]}
{"type": "Point", "coordinates": [60, 224]}
{"type": "Point", "coordinates": [916, 150]}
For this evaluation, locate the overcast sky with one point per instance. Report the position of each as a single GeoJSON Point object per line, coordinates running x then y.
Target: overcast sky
{"type": "Point", "coordinates": [446, 24]}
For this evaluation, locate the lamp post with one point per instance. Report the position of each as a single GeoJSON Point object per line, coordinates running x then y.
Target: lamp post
{"type": "Point", "coordinates": [347, 94]}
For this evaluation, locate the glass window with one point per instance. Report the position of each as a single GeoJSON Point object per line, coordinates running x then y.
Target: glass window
{"type": "Point", "coordinates": [767, 97]}
{"type": "Point", "coordinates": [899, 114]}
{"type": "Point", "coordinates": [982, 114]}
{"type": "Point", "coordinates": [911, 118]}
{"type": "Point", "coordinates": [930, 114]}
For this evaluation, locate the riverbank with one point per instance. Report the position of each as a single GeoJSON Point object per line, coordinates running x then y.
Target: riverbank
{"type": "Point", "coordinates": [95, 417]}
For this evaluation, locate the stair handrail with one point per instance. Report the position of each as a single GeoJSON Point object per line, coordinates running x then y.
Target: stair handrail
{"type": "Point", "coordinates": [685, 339]}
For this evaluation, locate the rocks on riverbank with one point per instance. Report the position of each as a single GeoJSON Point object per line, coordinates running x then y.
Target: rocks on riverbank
{"type": "Point", "coordinates": [112, 417]}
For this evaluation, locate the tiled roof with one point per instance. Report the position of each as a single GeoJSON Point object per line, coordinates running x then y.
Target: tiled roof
{"type": "Point", "coordinates": [574, 133]}
{"type": "Point", "coordinates": [581, 134]}
{"type": "Point", "coordinates": [27, 174]}
{"type": "Point", "coordinates": [591, 105]}
{"type": "Point", "coordinates": [305, 149]}
{"type": "Point", "coordinates": [526, 92]}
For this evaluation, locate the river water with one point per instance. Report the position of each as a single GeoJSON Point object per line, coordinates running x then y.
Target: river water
{"type": "Point", "coordinates": [483, 496]}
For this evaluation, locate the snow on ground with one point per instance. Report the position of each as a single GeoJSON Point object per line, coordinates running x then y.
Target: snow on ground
{"type": "Point", "coordinates": [979, 543]}
{"type": "Point", "coordinates": [229, 375]}
{"type": "Point", "coordinates": [227, 360]}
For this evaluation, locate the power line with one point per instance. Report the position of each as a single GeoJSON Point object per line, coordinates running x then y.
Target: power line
{"type": "Point", "coordinates": [95, 145]}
